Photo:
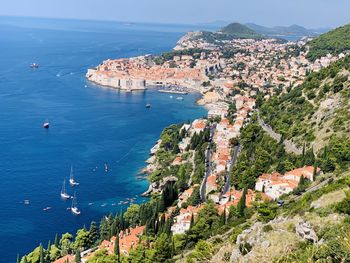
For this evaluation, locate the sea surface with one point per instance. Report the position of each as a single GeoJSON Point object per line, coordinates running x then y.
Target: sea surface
{"type": "Point", "coordinates": [90, 126]}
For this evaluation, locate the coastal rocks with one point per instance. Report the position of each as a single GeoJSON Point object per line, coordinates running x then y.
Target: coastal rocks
{"type": "Point", "coordinates": [306, 232]}
{"type": "Point", "coordinates": [157, 187]}
{"type": "Point", "coordinates": [155, 148]}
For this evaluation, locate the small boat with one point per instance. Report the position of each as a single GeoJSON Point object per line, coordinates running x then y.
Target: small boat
{"type": "Point", "coordinates": [34, 65]}
{"type": "Point", "coordinates": [103, 205]}
{"type": "Point", "coordinates": [26, 202]}
{"type": "Point", "coordinates": [171, 96]}
{"type": "Point", "coordinates": [46, 125]}
{"type": "Point", "coordinates": [72, 182]}
{"type": "Point", "coordinates": [64, 194]}
{"type": "Point", "coordinates": [106, 168]}
{"type": "Point", "coordinates": [148, 105]}
{"type": "Point", "coordinates": [75, 210]}
{"type": "Point", "coordinates": [46, 208]}
{"type": "Point", "coordinates": [179, 98]}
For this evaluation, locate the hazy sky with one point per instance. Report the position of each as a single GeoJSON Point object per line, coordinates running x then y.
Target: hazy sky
{"type": "Point", "coordinates": [309, 13]}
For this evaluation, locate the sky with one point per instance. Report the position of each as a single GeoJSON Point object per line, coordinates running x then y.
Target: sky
{"type": "Point", "coordinates": [308, 13]}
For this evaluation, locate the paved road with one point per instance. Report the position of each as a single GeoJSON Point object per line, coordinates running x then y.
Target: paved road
{"type": "Point", "coordinates": [289, 145]}
{"type": "Point", "coordinates": [236, 151]}
{"type": "Point", "coordinates": [193, 168]}
{"type": "Point", "coordinates": [207, 165]}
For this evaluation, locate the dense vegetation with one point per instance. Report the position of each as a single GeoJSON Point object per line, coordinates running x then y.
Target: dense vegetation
{"type": "Point", "coordinates": [262, 154]}
{"type": "Point", "coordinates": [334, 42]}
{"type": "Point", "coordinates": [293, 113]}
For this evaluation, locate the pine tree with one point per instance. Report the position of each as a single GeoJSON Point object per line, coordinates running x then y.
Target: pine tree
{"type": "Point", "coordinates": [57, 244]}
{"type": "Point", "coordinates": [116, 247]}
{"type": "Point", "coordinates": [77, 256]}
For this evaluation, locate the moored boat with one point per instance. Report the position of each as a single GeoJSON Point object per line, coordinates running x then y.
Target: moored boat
{"type": "Point", "coordinates": [34, 65]}
{"type": "Point", "coordinates": [74, 208]}
{"type": "Point", "coordinates": [46, 125]}
{"type": "Point", "coordinates": [64, 194]}
{"type": "Point", "coordinates": [72, 182]}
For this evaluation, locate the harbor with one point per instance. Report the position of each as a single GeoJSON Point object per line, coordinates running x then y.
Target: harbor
{"type": "Point", "coordinates": [173, 89]}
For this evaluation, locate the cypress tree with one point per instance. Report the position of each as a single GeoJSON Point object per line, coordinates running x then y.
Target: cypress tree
{"type": "Point", "coordinates": [41, 254]}
{"type": "Point", "coordinates": [93, 233]}
{"type": "Point", "coordinates": [25, 259]}
{"type": "Point", "coordinates": [192, 221]}
{"type": "Point", "coordinates": [241, 205]}
{"type": "Point", "coordinates": [17, 261]}
{"type": "Point", "coordinates": [49, 246]}
{"type": "Point", "coordinates": [57, 244]}
{"type": "Point", "coordinates": [77, 256]}
{"type": "Point", "coordinates": [116, 247]}
{"type": "Point", "coordinates": [223, 217]}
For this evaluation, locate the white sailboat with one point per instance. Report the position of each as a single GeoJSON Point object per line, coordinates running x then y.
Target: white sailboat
{"type": "Point", "coordinates": [75, 210]}
{"type": "Point", "coordinates": [64, 194]}
{"type": "Point", "coordinates": [71, 178]}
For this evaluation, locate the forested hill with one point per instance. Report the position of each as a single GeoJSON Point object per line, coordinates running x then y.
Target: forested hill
{"type": "Point", "coordinates": [317, 113]}
{"type": "Point", "coordinates": [333, 42]}
{"type": "Point", "coordinates": [229, 32]}
{"type": "Point", "coordinates": [237, 30]}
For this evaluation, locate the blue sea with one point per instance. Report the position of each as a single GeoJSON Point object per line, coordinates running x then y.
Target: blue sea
{"type": "Point", "coordinates": [90, 126]}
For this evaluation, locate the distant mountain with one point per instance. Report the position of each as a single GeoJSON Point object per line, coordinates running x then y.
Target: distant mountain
{"type": "Point", "coordinates": [238, 30]}
{"type": "Point", "coordinates": [229, 32]}
{"type": "Point", "coordinates": [280, 31]}
{"type": "Point", "coordinates": [334, 42]}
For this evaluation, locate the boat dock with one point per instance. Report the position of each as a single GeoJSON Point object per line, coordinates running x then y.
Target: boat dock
{"type": "Point", "coordinates": [174, 90]}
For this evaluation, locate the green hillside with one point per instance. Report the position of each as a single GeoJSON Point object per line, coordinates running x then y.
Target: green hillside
{"type": "Point", "coordinates": [334, 42]}
{"type": "Point", "coordinates": [315, 112]}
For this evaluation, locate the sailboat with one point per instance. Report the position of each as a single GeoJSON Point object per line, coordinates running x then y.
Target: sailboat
{"type": "Point", "coordinates": [75, 210]}
{"type": "Point", "coordinates": [71, 178]}
{"type": "Point", "coordinates": [64, 194]}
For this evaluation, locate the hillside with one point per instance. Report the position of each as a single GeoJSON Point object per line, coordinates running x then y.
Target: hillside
{"type": "Point", "coordinates": [316, 112]}
{"type": "Point", "coordinates": [334, 42]}
{"type": "Point", "coordinates": [229, 32]}
{"type": "Point", "coordinates": [313, 227]}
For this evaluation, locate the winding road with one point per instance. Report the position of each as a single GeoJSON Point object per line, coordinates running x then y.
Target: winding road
{"type": "Point", "coordinates": [289, 145]}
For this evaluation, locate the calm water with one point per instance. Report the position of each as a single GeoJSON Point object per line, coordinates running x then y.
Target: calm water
{"type": "Point", "coordinates": [90, 126]}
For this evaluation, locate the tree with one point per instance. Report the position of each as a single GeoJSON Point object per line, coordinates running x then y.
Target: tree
{"type": "Point", "coordinates": [82, 239]}
{"type": "Point", "coordinates": [241, 204]}
{"type": "Point", "coordinates": [77, 256]}
{"type": "Point", "coordinates": [93, 233]}
{"type": "Point", "coordinates": [42, 255]}
{"type": "Point", "coordinates": [162, 248]}
{"type": "Point", "coordinates": [105, 230]}
{"type": "Point", "coordinates": [65, 243]}
{"type": "Point", "coordinates": [17, 261]}
{"type": "Point", "coordinates": [116, 247]}
{"type": "Point", "coordinates": [56, 243]}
